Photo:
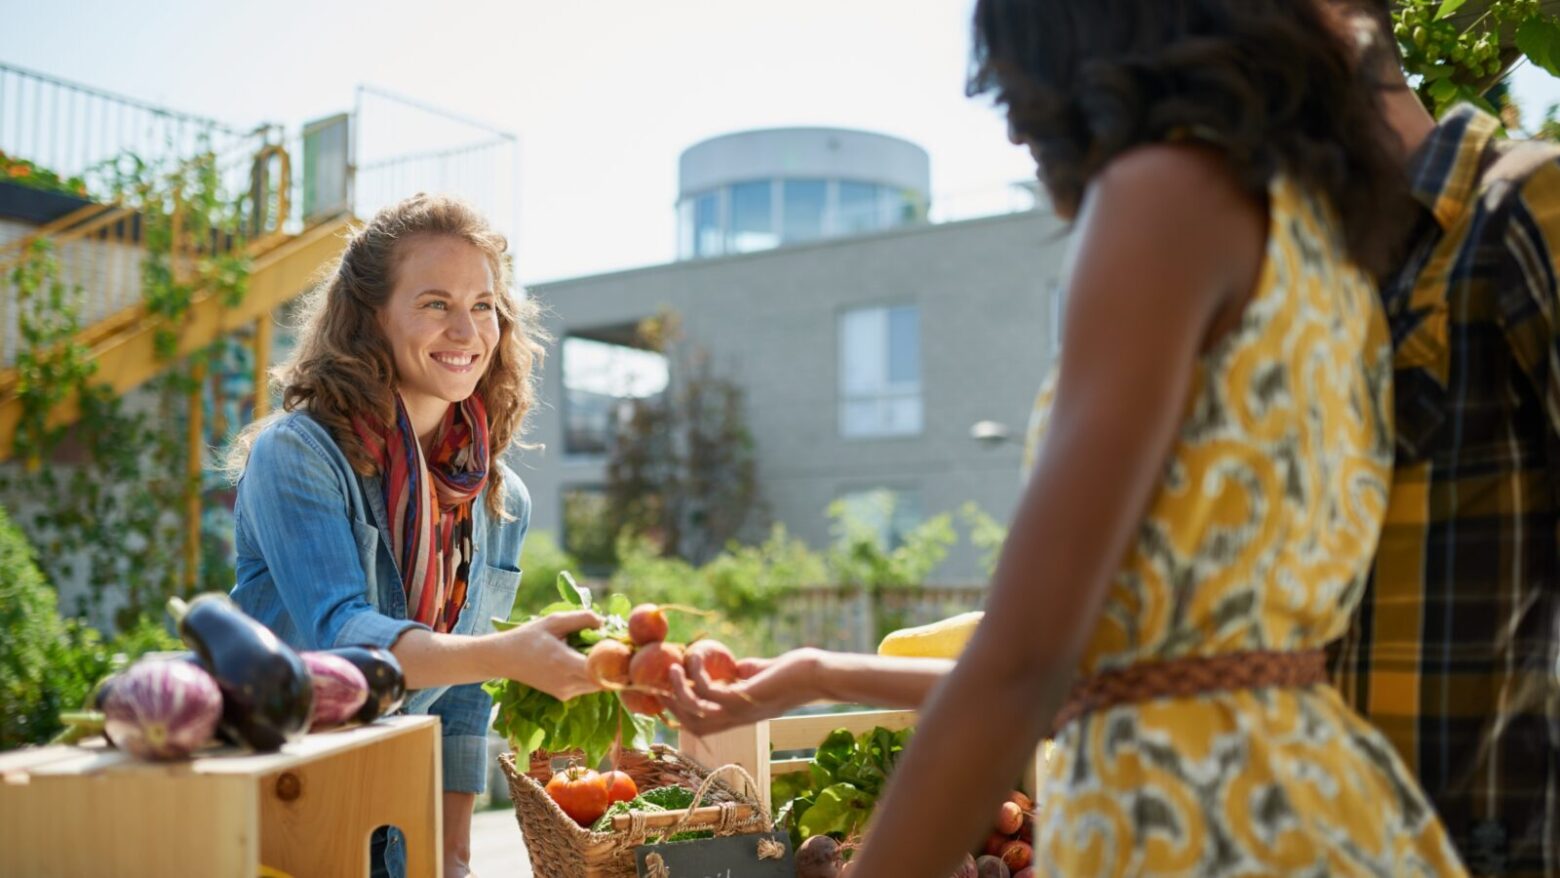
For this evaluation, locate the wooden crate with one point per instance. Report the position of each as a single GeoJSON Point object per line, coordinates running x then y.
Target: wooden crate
{"type": "Point", "coordinates": [750, 746]}
{"type": "Point", "coordinates": [307, 810]}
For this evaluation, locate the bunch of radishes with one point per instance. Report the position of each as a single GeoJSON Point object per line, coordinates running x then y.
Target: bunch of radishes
{"type": "Point", "coordinates": [638, 667]}
{"type": "Point", "coordinates": [1009, 852]}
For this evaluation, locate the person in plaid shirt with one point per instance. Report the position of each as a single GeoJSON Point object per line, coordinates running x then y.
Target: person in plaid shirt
{"type": "Point", "coordinates": [1453, 653]}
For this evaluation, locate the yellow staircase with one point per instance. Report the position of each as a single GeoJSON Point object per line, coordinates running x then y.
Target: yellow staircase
{"type": "Point", "coordinates": [122, 344]}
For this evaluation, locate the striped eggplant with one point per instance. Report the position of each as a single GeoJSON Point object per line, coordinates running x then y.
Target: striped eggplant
{"type": "Point", "coordinates": [162, 709]}
{"type": "Point", "coordinates": [339, 689]}
{"type": "Point", "coordinates": [386, 683]}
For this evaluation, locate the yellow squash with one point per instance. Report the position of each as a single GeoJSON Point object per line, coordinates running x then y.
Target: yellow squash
{"type": "Point", "coordinates": [942, 639]}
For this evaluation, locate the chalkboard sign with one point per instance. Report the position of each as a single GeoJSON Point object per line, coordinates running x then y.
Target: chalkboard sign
{"type": "Point", "coordinates": [761, 855]}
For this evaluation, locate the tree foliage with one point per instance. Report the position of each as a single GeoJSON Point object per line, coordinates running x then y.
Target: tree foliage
{"type": "Point", "coordinates": [1460, 50]}
{"type": "Point", "coordinates": [683, 470]}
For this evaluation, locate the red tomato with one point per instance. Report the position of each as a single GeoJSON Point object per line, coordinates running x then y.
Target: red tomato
{"type": "Point", "coordinates": [580, 792]}
{"type": "Point", "coordinates": [620, 787]}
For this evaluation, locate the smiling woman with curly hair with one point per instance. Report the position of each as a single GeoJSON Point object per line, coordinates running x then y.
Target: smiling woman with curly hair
{"type": "Point", "coordinates": [375, 509]}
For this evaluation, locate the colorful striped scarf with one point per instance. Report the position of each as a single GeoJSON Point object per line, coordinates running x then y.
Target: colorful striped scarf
{"type": "Point", "coordinates": [429, 500]}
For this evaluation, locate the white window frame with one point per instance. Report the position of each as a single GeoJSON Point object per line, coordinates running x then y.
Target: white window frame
{"type": "Point", "coordinates": [891, 392]}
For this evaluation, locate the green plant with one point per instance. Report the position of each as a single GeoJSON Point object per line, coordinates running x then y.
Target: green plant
{"type": "Point", "coordinates": [1459, 49]}
{"type": "Point", "coordinates": [50, 363]}
{"type": "Point", "coordinates": [117, 500]}
{"type": "Point", "coordinates": [49, 664]}
{"type": "Point", "coordinates": [533, 720]}
{"type": "Point", "coordinates": [986, 534]}
{"type": "Point", "coordinates": [683, 468]}
{"type": "Point", "coordinates": [861, 557]}
{"type": "Point", "coordinates": [25, 173]}
{"type": "Point", "coordinates": [741, 588]}
{"type": "Point", "coordinates": [541, 560]}
{"type": "Point", "coordinates": [591, 529]}
{"type": "Point", "coordinates": [748, 582]}
{"type": "Point", "coordinates": [844, 779]}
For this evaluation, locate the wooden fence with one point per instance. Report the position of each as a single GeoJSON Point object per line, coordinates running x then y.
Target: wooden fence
{"type": "Point", "coordinates": [855, 619]}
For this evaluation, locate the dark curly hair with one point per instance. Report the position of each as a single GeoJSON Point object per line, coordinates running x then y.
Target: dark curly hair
{"type": "Point", "coordinates": [1265, 81]}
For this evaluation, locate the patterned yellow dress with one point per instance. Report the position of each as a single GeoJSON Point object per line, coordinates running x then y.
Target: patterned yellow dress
{"type": "Point", "coordinates": [1258, 538]}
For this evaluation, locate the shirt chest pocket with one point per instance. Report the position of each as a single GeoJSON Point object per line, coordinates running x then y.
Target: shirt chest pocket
{"type": "Point", "coordinates": [367, 537]}
{"type": "Point", "coordinates": [493, 594]}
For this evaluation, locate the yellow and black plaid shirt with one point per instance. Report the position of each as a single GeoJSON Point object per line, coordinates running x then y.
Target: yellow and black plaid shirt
{"type": "Point", "coordinates": [1453, 654]}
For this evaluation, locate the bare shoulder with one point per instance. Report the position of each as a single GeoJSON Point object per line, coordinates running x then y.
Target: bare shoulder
{"type": "Point", "coordinates": [1167, 184]}
{"type": "Point", "coordinates": [1182, 217]}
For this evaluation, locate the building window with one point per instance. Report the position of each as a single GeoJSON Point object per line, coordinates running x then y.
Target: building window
{"type": "Point", "coordinates": [707, 232]}
{"type": "Point", "coordinates": [859, 207]}
{"type": "Point", "coordinates": [805, 202]}
{"type": "Point", "coordinates": [752, 218]}
{"type": "Point", "coordinates": [880, 372]}
{"type": "Point", "coordinates": [601, 381]}
{"type": "Point", "coordinates": [763, 214]}
{"type": "Point", "coordinates": [888, 513]}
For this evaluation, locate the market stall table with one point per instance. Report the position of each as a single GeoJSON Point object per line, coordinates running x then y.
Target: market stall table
{"type": "Point", "coordinates": [307, 810]}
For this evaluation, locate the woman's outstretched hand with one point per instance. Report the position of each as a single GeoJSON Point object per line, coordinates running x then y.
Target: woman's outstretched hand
{"type": "Point", "coordinates": [764, 688]}
{"type": "Point", "coordinates": [535, 654]}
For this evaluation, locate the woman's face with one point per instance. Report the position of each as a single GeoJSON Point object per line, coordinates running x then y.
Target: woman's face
{"type": "Point", "coordinates": [441, 321]}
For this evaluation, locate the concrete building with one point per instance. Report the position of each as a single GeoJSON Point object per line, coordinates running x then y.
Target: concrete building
{"type": "Point", "coordinates": [867, 353]}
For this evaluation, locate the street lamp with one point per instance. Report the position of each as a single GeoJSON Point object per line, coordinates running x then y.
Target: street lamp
{"type": "Point", "coordinates": [990, 433]}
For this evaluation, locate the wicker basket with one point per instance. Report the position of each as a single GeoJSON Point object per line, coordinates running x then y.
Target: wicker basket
{"type": "Point", "coordinates": [561, 848]}
{"type": "Point", "coordinates": [544, 763]}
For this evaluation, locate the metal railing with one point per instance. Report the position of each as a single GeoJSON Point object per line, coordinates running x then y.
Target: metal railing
{"type": "Point", "coordinates": [91, 144]}
{"type": "Point", "coordinates": [402, 146]}
{"type": "Point", "coordinates": [78, 154]}
{"type": "Point", "coordinates": [73, 129]}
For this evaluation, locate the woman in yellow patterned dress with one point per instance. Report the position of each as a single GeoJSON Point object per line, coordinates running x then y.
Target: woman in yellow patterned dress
{"type": "Point", "coordinates": [1213, 473]}
{"type": "Point", "coordinates": [1211, 480]}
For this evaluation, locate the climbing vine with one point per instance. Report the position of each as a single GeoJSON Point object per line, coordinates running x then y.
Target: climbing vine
{"type": "Point", "coordinates": [1460, 49]}
{"type": "Point", "coordinates": [106, 497]}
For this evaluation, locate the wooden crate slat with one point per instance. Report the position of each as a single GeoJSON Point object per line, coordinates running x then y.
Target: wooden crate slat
{"type": "Point", "coordinates": [804, 732]}
{"type": "Point", "coordinates": [788, 766]}
{"type": "Point", "coordinates": [93, 811]}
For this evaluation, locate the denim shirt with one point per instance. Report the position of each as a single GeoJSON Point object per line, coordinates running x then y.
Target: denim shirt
{"type": "Point", "coordinates": [315, 566]}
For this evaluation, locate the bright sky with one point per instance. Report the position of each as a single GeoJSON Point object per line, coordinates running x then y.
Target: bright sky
{"type": "Point", "coordinates": [602, 94]}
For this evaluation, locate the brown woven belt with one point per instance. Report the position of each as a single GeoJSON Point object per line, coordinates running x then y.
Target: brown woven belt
{"type": "Point", "coordinates": [1193, 675]}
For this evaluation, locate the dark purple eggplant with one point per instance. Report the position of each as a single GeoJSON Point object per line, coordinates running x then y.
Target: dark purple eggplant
{"type": "Point", "coordinates": [267, 696]}
{"type": "Point", "coordinates": [382, 671]}
{"type": "Point", "coordinates": [162, 709]}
